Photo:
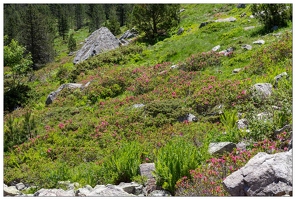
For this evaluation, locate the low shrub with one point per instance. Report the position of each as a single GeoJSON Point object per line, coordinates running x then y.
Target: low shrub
{"type": "Point", "coordinates": [269, 57]}
{"type": "Point", "coordinates": [174, 161]}
{"type": "Point", "coordinates": [206, 180]}
{"type": "Point", "coordinates": [122, 165]}
{"type": "Point", "coordinates": [165, 111]}
{"type": "Point", "coordinates": [200, 61]}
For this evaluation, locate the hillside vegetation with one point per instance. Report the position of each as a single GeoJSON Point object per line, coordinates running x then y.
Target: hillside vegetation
{"type": "Point", "coordinates": [98, 136]}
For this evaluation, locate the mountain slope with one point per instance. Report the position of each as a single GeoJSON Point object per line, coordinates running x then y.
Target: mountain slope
{"type": "Point", "coordinates": [80, 135]}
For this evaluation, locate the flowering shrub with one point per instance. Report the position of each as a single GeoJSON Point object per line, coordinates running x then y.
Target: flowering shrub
{"type": "Point", "coordinates": [215, 92]}
{"type": "Point", "coordinates": [207, 179]}
{"type": "Point", "coordinates": [203, 60]}
{"type": "Point", "coordinates": [270, 56]}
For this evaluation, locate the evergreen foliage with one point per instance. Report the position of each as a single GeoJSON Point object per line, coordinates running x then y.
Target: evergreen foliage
{"type": "Point", "coordinates": [12, 21]}
{"type": "Point", "coordinates": [38, 34]}
{"type": "Point", "coordinates": [79, 16]}
{"type": "Point", "coordinates": [155, 19]}
{"type": "Point", "coordinates": [113, 24]}
{"type": "Point", "coordinates": [63, 22]}
{"type": "Point", "coordinates": [271, 15]}
{"type": "Point", "coordinates": [96, 15]}
{"type": "Point", "coordinates": [71, 43]}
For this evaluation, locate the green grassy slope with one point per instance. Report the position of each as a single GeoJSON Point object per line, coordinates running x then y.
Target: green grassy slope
{"type": "Point", "coordinates": [80, 135]}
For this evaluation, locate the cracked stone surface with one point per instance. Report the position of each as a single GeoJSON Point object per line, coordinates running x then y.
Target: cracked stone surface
{"type": "Point", "coordinates": [264, 174]}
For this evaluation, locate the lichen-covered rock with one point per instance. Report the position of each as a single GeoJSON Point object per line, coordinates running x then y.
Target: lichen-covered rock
{"type": "Point", "coordinates": [221, 147]}
{"type": "Point", "coordinates": [99, 41]}
{"type": "Point", "coordinates": [160, 193]}
{"type": "Point", "coordinates": [54, 193]}
{"type": "Point", "coordinates": [263, 89]}
{"type": "Point", "coordinates": [259, 42]}
{"type": "Point", "coordinates": [146, 169]}
{"type": "Point", "coordinates": [264, 175]}
{"type": "Point", "coordinates": [52, 96]}
{"type": "Point", "coordinates": [10, 191]}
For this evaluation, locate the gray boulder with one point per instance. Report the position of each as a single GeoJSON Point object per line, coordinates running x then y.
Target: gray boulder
{"type": "Point", "coordinates": [54, 193]}
{"type": "Point", "coordinates": [130, 187]}
{"type": "Point", "coordinates": [242, 145]}
{"type": "Point", "coordinates": [160, 193]}
{"type": "Point", "coordinates": [228, 51]}
{"type": "Point", "coordinates": [129, 34]}
{"type": "Point", "coordinates": [174, 67]}
{"type": "Point", "coordinates": [259, 42]}
{"type": "Point", "coordinates": [242, 124]}
{"type": "Point", "coordinates": [180, 31]}
{"type": "Point", "coordinates": [105, 191]}
{"type": "Point", "coordinates": [264, 175]}
{"type": "Point", "coordinates": [189, 117]}
{"type": "Point", "coordinates": [262, 89]}
{"type": "Point", "coordinates": [203, 24]}
{"type": "Point", "coordinates": [20, 186]}
{"type": "Point", "coordinates": [83, 192]}
{"type": "Point", "coordinates": [52, 96]}
{"type": "Point", "coordinates": [237, 70]}
{"type": "Point", "coordinates": [247, 47]}
{"type": "Point", "coordinates": [216, 48]}
{"type": "Point", "coordinates": [99, 41]}
{"type": "Point", "coordinates": [10, 191]}
{"type": "Point", "coordinates": [230, 19]}
{"type": "Point", "coordinates": [221, 147]}
{"type": "Point", "coordinates": [146, 169]}
{"type": "Point", "coordinates": [279, 77]}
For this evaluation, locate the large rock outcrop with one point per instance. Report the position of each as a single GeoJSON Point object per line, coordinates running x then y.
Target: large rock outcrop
{"type": "Point", "coordinates": [264, 175]}
{"type": "Point", "coordinates": [99, 41]}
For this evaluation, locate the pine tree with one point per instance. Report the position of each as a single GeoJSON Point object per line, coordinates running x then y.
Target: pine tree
{"type": "Point", "coordinates": [123, 13]}
{"type": "Point", "coordinates": [12, 21]}
{"type": "Point", "coordinates": [155, 19]}
{"type": "Point", "coordinates": [38, 33]}
{"type": "Point", "coordinates": [113, 25]}
{"type": "Point", "coordinates": [271, 15]}
{"type": "Point", "coordinates": [79, 16]}
{"type": "Point", "coordinates": [71, 43]}
{"type": "Point", "coordinates": [63, 22]}
{"type": "Point", "coordinates": [96, 16]}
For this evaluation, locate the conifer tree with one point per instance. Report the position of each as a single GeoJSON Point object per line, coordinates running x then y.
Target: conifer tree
{"type": "Point", "coordinates": [155, 19]}
{"type": "Point", "coordinates": [96, 16]}
{"type": "Point", "coordinates": [79, 16]}
{"type": "Point", "coordinates": [71, 43]}
{"type": "Point", "coordinates": [113, 25]}
{"type": "Point", "coordinates": [63, 22]}
{"type": "Point", "coordinates": [12, 20]}
{"type": "Point", "coordinates": [38, 33]}
{"type": "Point", "coordinates": [124, 12]}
